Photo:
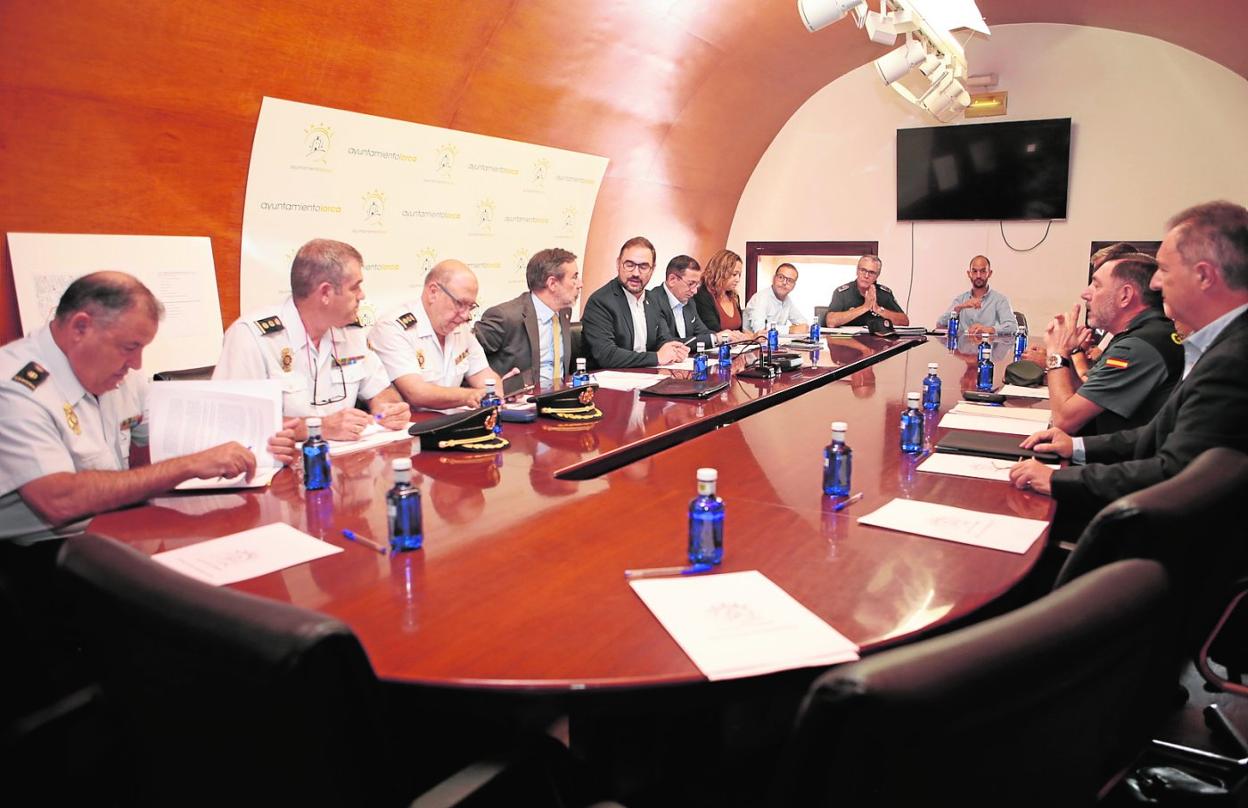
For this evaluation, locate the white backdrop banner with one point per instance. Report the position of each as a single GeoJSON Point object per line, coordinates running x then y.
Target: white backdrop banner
{"type": "Point", "coordinates": [406, 196]}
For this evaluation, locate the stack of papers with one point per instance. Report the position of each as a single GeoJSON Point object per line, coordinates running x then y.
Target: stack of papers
{"type": "Point", "coordinates": [988, 418]}
{"type": "Point", "coordinates": [741, 624]}
{"type": "Point", "coordinates": [249, 554]}
{"type": "Point", "coordinates": [374, 435]}
{"type": "Point", "coordinates": [910, 330]}
{"type": "Point", "coordinates": [1012, 534]}
{"type": "Point", "coordinates": [618, 380]}
{"type": "Point", "coordinates": [1023, 392]}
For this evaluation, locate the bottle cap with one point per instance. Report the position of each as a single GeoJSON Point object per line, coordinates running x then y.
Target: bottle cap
{"type": "Point", "coordinates": [701, 347]}
{"type": "Point", "coordinates": [489, 383]}
{"type": "Point", "coordinates": [913, 398]}
{"type": "Point", "coordinates": [933, 366]}
{"type": "Point", "coordinates": [313, 422]}
{"type": "Point", "coordinates": [580, 362]}
{"type": "Point", "coordinates": [839, 426]}
{"type": "Point", "coordinates": [401, 464]}
{"type": "Point", "coordinates": [708, 475]}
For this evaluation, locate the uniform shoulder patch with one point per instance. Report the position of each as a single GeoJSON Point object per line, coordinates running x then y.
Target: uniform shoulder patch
{"type": "Point", "coordinates": [1121, 364]}
{"type": "Point", "coordinates": [356, 323]}
{"type": "Point", "coordinates": [407, 320]}
{"type": "Point", "coordinates": [884, 288]}
{"type": "Point", "coordinates": [843, 287]}
{"type": "Point", "coordinates": [270, 325]}
{"type": "Point", "coordinates": [31, 376]}
{"type": "Point", "coordinates": [1176, 337]}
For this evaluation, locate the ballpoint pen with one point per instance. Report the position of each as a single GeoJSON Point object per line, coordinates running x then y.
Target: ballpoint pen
{"type": "Point", "coordinates": [840, 506]}
{"type": "Point", "coordinates": [658, 572]}
{"type": "Point", "coordinates": [364, 540]}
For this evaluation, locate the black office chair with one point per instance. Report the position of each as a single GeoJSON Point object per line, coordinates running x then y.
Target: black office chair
{"type": "Point", "coordinates": [578, 347]}
{"type": "Point", "coordinates": [1041, 706]}
{"type": "Point", "coordinates": [820, 313]}
{"type": "Point", "coordinates": [187, 375]}
{"type": "Point", "coordinates": [1021, 318]}
{"type": "Point", "coordinates": [218, 697]}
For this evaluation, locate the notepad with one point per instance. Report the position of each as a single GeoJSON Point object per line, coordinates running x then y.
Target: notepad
{"type": "Point", "coordinates": [994, 531]}
{"type": "Point", "coordinates": [244, 555]}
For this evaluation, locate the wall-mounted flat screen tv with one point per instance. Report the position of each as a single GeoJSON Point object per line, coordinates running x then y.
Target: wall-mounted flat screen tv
{"type": "Point", "coordinates": [990, 171]}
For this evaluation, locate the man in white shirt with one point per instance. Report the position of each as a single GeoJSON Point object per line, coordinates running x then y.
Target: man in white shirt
{"type": "Point", "coordinates": [774, 305]}
{"type": "Point", "coordinates": [427, 347]}
{"type": "Point", "coordinates": [313, 343]}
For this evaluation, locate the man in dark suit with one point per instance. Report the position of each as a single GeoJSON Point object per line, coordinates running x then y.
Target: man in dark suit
{"type": "Point", "coordinates": [674, 299]}
{"type": "Point", "coordinates": [622, 326]}
{"type": "Point", "coordinates": [1202, 274]}
{"type": "Point", "coordinates": [533, 331]}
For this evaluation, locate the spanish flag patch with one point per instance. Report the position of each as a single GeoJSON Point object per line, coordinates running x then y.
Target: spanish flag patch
{"type": "Point", "coordinates": [1121, 364]}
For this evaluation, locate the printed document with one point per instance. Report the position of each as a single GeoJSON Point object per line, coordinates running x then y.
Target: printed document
{"type": "Point", "coordinates": [617, 380]}
{"type": "Point", "coordinates": [991, 423]}
{"type": "Point", "coordinates": [737, 624]}
{"type": "Point", "coordinates": [1023, 392]}
{"type": "Point", "coordinates": [249, 554]}
{"type": "Point", "coordinates": [995, 531]}
{"type": "Point", "coordinates": [958, 465]}
{"type": "Point", "coordinates": [374, 435]}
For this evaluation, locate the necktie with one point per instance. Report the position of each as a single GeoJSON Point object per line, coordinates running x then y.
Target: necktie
{"type": "Point", "coordinates": [556, 368]}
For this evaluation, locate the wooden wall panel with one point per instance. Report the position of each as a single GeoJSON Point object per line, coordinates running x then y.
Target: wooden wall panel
{"type": "Point", "coordinates": [138, 117]}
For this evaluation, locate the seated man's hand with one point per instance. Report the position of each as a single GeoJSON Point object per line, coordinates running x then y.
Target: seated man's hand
{"type": "Point", "coordinates": [1032, 474]}
{"type": "Point", "coordinates": [1050, 440]}
{"type": "Point", "coordinates": [227, 460]}
{"type": "Point", "coordinates": [346, 424]}
{"type": "Point", "coordinates": [392, 414]}
{"type": "Point", "coordinates": [283, 445]}
{"type": "Point", "coordinates": [671, 352]}
{"type": "Point", "coordinates": [472, 396]}
{"type": "Point", "coordinates": [1035, 353]}
{"type": "Point", "coordinates": [1064, 332]}
{"type": "Point", "coordinates": [973, 303]}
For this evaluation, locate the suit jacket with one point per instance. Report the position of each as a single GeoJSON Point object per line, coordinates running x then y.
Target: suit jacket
{"type": "Point", "coordinates": [607, 327]}
{"type": "Point", "coordinates": [1206, 409]}
{"type": "Point", "coordinates": [695, 330]}
{"type": "Point", "coordinates": [510, 333]}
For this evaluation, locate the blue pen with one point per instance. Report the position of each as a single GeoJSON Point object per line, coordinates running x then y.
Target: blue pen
{"type": "Point", "coordinates": [840, 506]}
{"type": "Point", "coordinates": [658, 572]}
{"type": "Point", "coordinates": [367, 542]}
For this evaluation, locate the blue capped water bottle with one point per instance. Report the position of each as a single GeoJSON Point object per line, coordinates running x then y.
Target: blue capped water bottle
{"type": "Point", "coordinates": [316, 472]}
{"type": "Point", "coordinates": [706, 521]}
{"type": "Point", "coordinates": [491, 399]}
{"type": "Point", "coordinates": [725, 354]}
{"type": "Point", "coordinates": [773, 337]}
{"type": "Point", "coordinates": [931, 388]}
{"type": "Point", "coordinates": [1020, 342]}
{"type": "Point", "coordinates": [952, 333]}
{"type": "Point", "coordinates": [403, 509]}
{"type": "Point", "coordinates": [838, 462]}
{"type": "Point", "coordinates": [912, 426]}
{"type": "Point", "coordinates": [699, 363]}
{"type": "Point", "coordinates": [983, 375]}
{"type": "Point", "coordinates": [985, 347]}
{"type": "Point", "coordinates": [814, 331]}
{"type": "Point", "coordinates": [581, 377]}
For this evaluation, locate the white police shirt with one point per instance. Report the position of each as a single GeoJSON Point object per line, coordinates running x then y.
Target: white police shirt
{"type": "Point", "coordinates": [51, 424]}
{"type": "Point", "coordinates": [316, 379]}
{"type": "Point", "coordinates": [407, 344]}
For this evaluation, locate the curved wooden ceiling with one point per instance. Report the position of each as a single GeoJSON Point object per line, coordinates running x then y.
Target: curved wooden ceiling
{"type": "Point", "coordinates": [139, 117]}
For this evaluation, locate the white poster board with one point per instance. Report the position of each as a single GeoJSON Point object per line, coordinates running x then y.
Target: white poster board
{"type": "Point", "coordinates": [178, 269]}
{"type": "Point", "coordinates": [406, 196]}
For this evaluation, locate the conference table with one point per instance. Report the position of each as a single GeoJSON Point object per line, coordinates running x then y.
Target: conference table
{"type": "Point", "coordinates": [520, 584]}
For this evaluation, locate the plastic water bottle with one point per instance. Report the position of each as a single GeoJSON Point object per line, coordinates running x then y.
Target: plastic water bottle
{"type": "Point", "coordinates": [953, 330]}
{"type": "Point", "coordinates": [838, 463]}
{"type": "Point", "coordinates": [699, 363]}
{"type": "Point", "coordinates": [773, 337]}
{"type": "Point", "coordinates": [1020, 342]}
{"type": "Point", "coordinates": [985, 347]}
{"type": "Point", "coordinates": [912, 426]}
{"type": "Point", "coordinates": [983, 376]}
{"type": "Point", "coordinates": [931, 388]}
{"type": "Point", "coordinates": [491, 399]}
{"type": "Point", "coordinates": [316, 473]}
{"type": "Point", "coordinates": [581, 377]}
{"type": "Point", "coordinates": [706, 521]}
{"type": "Point", "coordinates": [814, 331]}
{"type": "Point", "coordinates": [725, 354]}
{"type": "Point", "coordinates": [403, 509]}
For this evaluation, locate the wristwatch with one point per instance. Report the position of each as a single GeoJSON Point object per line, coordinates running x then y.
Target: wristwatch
{"type": "Point", "coordinates": [1056, 361]}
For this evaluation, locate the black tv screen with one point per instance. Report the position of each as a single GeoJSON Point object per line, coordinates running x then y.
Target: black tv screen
{"type": "Point", "coordinates": [1014, 170]}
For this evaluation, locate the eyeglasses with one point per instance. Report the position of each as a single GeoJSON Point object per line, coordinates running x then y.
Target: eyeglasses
{"type": "Point", "coordinates": [786, 280]}
{"type": "Point", "coordinates": [868, 273]}
{"type": "Point", "coordinates": [690, 285]}
{"type": "Point", "coordinates": [342, 385]}
{"type": "Point", "coordinates": [644, 267]}
{"type": "Point", "coordinates": [459, 304]}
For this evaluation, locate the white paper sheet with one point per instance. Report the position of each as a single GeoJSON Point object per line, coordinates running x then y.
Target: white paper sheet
{"type": "Point", "coordinates": [374, 435]}
{"type": "Point", "coordinates": [617, 380]}
{"type": "Point", "coordinates": [958, 465]}
{"type": "Point", "coordinates": [1037, 414]}
{"type": "Point", "coordinates": [684, 364]}
{"type": "Point", "coordinates": [845, 330]}
{"type": "Point", "coordinates": [988, 423]}
{"type": "Point", "coordinates": [1012, 534]}
{"type": "Point", "coordinates": [249, 554]}
{"type": "Point", "coordinates": [741, 624]}
{"type": "Point", "coordinates": [191, 416]}
{"type": "Point", "coordinates": [1023, 392]}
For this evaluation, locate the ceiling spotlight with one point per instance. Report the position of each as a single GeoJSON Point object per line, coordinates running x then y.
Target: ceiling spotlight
{"type": "Point", "coordinates": [897, 63]}
{"type": "Point", "coordinates": [880, 28]}
{"type": "Point", "coordinates": [818, 14]}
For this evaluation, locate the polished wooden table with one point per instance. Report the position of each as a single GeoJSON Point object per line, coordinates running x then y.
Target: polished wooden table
{"type": "Point", "coordinates": [520, 582]}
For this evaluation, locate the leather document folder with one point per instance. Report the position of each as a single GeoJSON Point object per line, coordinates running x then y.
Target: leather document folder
{"type": "Point", "coordinates": [991, 444]}
{"type": "Point", "coordinates": [684, 388]}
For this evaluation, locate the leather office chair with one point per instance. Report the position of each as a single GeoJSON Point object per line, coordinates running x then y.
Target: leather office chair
{"type": "Point", "coordinates": [579, 349]}
{"type": "Point", "coordinates": [1041, 706]}
{"type": "Point", "coordinates": [1021, 318]}
{"type": "Point", "coordinates": [820, 313]}
{"type": "Point", "coordinates": [187, 375]}
{"type": "Point", "coordinates": [218, 696]}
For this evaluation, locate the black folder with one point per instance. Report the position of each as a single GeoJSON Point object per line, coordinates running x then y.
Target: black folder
{"type": "Point", "coordinates": [684, 388]}
{"type": "Point", "coordinates": [991, 444]}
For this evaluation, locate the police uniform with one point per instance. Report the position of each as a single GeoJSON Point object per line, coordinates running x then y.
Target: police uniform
{"type": "Point", "coordinates": [846, 297]}
{"type": "Point", "coordinates": [405, 341]}
{"type": "Point", "coordinates": [1134, 376]}
{"type": "Point", "coordinates": [51, 424]}
{"type": "Point", "coordinates": [316, 379]}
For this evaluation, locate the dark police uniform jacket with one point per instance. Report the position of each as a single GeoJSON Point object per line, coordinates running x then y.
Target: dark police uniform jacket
{"type": "Point", "coordinates": [1135, 375]}
{"type": "Point", "coordinates": [847, 296]}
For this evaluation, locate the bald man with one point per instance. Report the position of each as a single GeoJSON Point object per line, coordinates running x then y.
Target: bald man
{"type": "Point", "coordinates": [427, 347]}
